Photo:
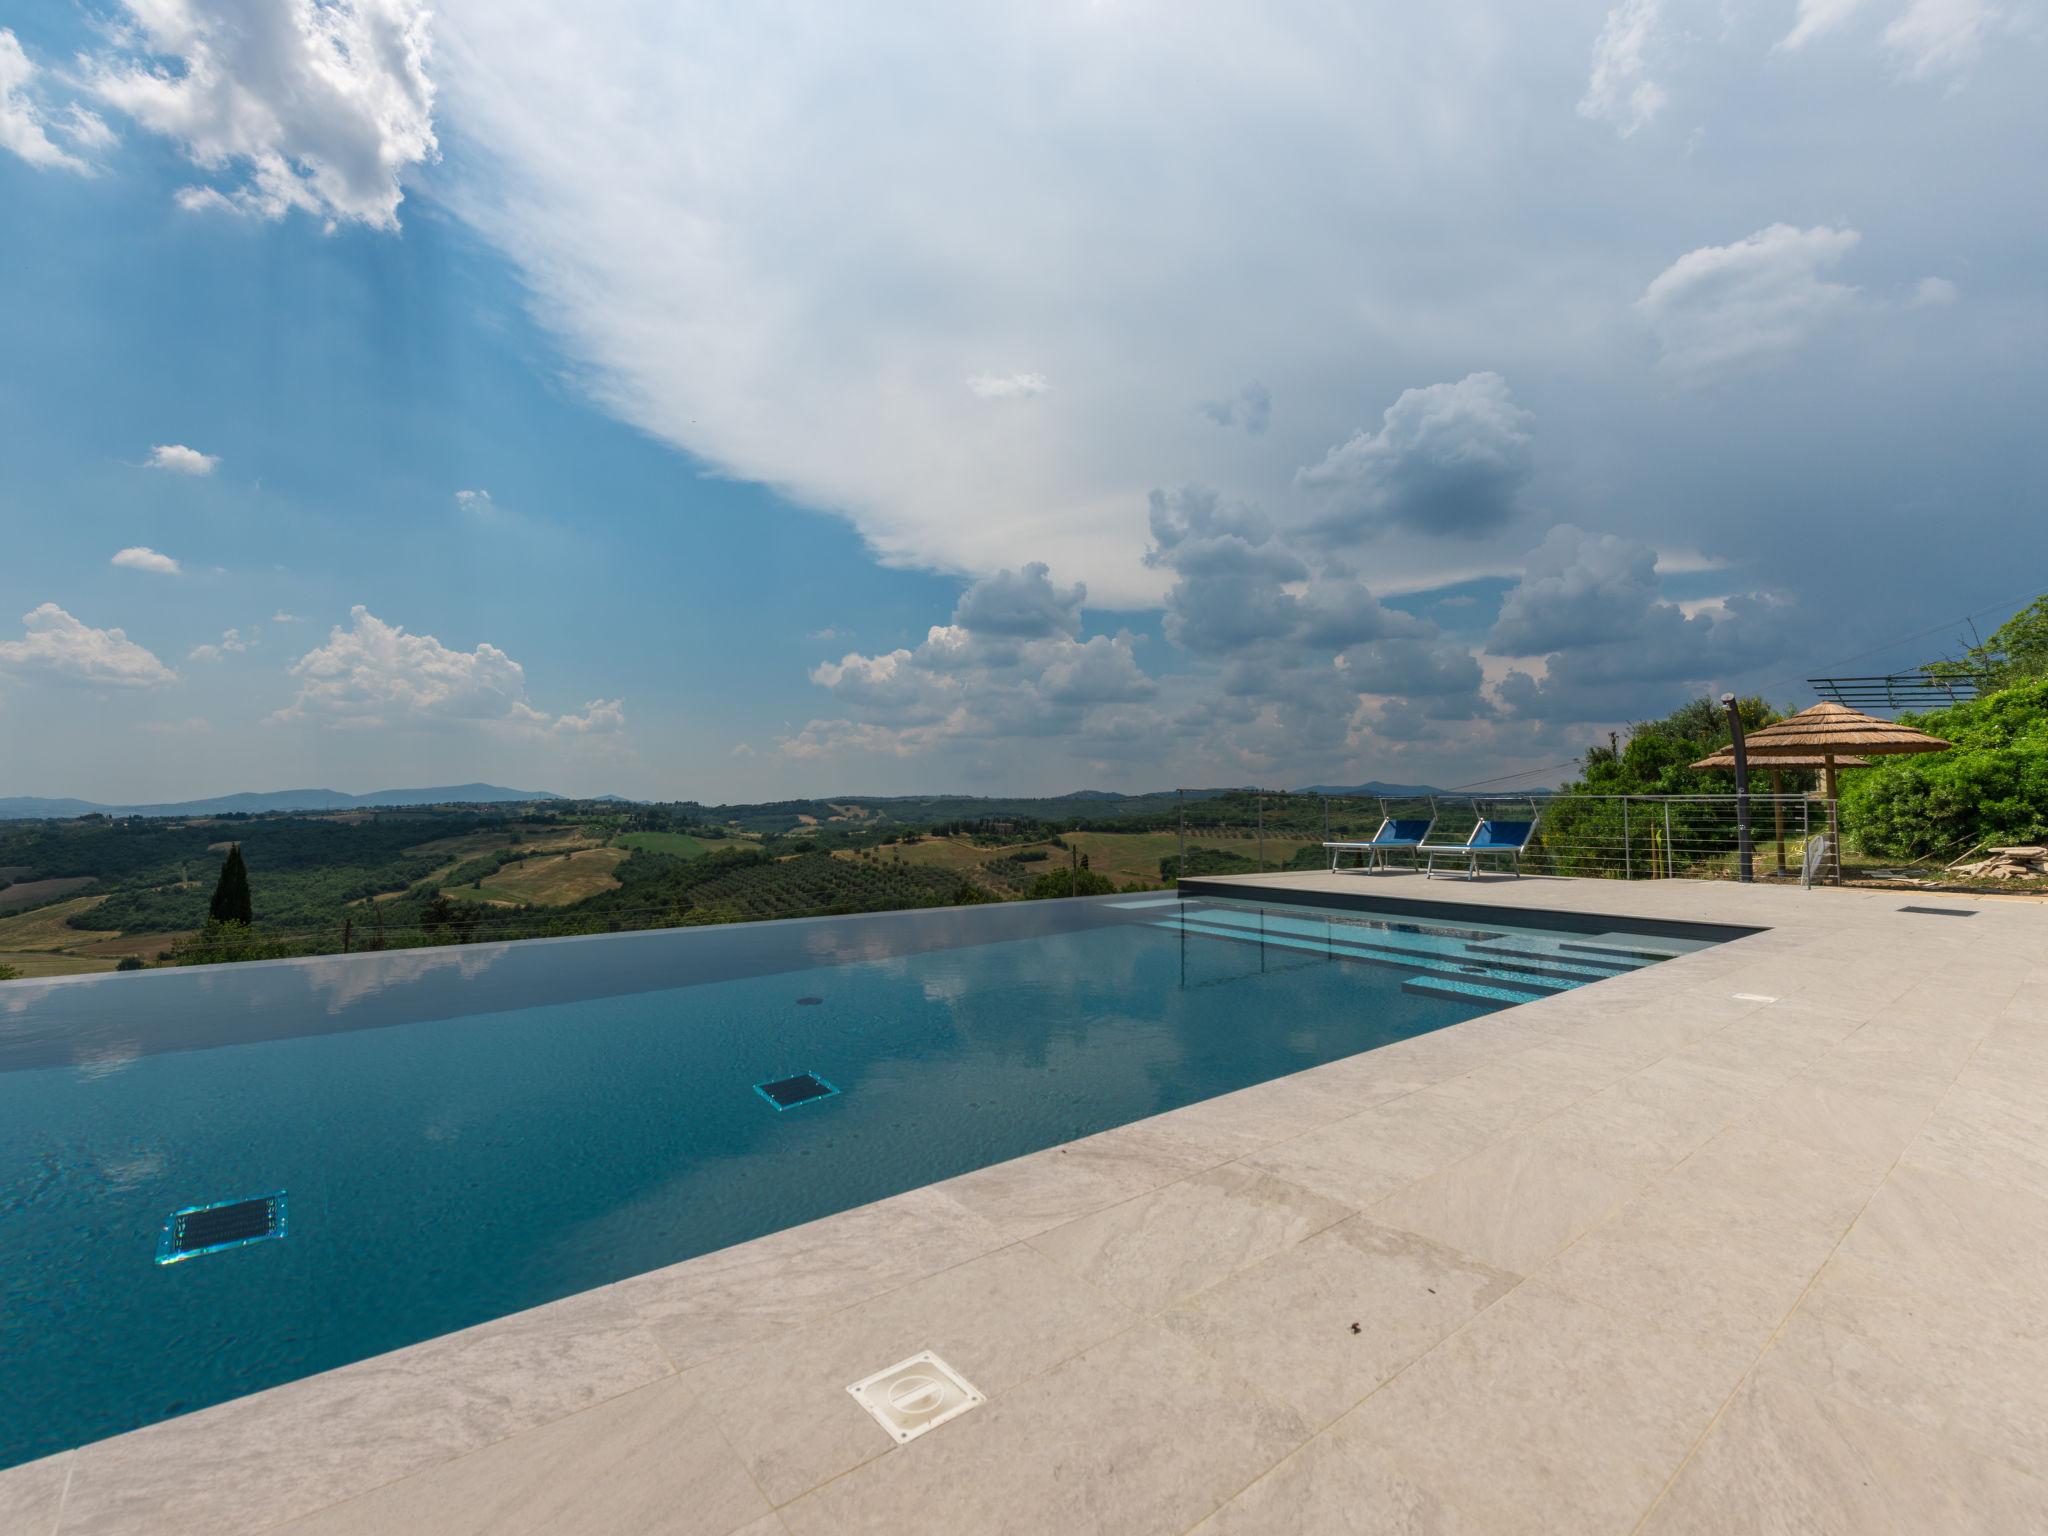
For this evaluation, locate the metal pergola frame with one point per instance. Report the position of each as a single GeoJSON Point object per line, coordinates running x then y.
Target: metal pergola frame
{"type": "Point", "coordinates": [1898, 690]}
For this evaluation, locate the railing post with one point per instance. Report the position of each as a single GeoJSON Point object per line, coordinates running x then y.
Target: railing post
{"type": "Point", "coordinates": [1628, 862]}
{"type": "Point", "coordinates": [1180, 857]}
{"type": "Point", "coordinates": [1670, 869]}
{"type": "Point", "coordinates": [1262, 853]}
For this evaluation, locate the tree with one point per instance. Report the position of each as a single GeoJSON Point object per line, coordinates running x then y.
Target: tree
{"type": "Point", "coordinates": [2016, 652]}
{"type": "Point", "coordinates": [231, 895]}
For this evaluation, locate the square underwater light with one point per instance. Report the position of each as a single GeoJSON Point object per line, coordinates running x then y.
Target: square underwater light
{"type": "Point", "coordinates": [788, 1092]}
{"type": "Point", "coordinates": [225, 1224]}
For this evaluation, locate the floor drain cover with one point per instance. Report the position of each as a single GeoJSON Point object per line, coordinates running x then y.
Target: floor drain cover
{"type": "Point", "coordinates": [915, 1395]}
{"type": "Point", "coordinates": [809, 1002]}
{"type": "Point", "coordinates": [1941, 911]}
{"type": "Point", "coordinates": [225, 1224]}
{"type": "Point", "coordinates": [788, 1092]}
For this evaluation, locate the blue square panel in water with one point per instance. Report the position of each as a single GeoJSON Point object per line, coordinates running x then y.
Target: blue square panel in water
{"type": "Point", "coordinates": [225, 1224]}
{"type": "Point", "coordinates": [788, 1092]}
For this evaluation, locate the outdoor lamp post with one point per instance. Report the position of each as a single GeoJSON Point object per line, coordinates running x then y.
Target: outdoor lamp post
{"type": "Point", "coordinates": [1745, 856]}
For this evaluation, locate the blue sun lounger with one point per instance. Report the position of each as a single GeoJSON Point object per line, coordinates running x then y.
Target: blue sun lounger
{"type": "Point", "coordinates": [1490, 838]}
{"type": "Point", "coordinates": [1405, 833]}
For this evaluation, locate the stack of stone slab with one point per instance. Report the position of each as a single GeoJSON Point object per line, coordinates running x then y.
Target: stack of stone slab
{"type": "Point", "coordinates": [2027, 863]}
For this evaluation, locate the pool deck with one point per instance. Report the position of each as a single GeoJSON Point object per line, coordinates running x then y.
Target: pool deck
{"type": "Point", "coordinates": [1750, 1240]}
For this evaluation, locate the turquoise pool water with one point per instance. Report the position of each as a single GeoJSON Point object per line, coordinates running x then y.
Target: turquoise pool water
{"type": "Point", "coordinates": [466, 1132]}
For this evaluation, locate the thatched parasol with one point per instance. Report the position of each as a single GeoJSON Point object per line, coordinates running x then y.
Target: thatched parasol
{"type": "Point", "coordinates": [1724, 758]}
{"type": "Point", "coordinates": [1835, 733]}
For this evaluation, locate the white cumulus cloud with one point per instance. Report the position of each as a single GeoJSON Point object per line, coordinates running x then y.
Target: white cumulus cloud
{"type": "Point", "coordinates": [1934, 293]}
{"type": "Point", "coordinates": [1619, 89]}
{"type": "Point", "coordinates": [317, 105]}
{"type": "Point", "coordinates": [373, 674]}
{"type": "Point", "coordinates": [1007, 386]}
{"type": "Point", "coordinates": [232, 642]}
{"type": "Point", "coordinates": [59, 646]}
{"type": "Point", "coordinates": [1727, 306]}
{"type": "Point", "coordinates": [139, 557]}
{"type": "Point", "coordinates": [26, 123]}
{"type": "Point", "coordinates": [1935, 37]}
{"type": "Point", "coordinates": [180, 460]}
{"type": "Point", "coordinates": [1447, 459]}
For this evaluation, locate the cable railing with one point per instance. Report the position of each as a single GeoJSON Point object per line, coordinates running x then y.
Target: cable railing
{"type": "Point", "coordinates": [1615, 837]}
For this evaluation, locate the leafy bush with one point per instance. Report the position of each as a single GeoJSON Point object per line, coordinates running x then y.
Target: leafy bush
{"type": "Point", "coordinates": [10, 972]}
{"type": "Point", "coordinates": [1991, 788]}
{"type": "Point", "coordinates": [1206, 861]}
{"type": "Point", "coordinates": [1069, 882]}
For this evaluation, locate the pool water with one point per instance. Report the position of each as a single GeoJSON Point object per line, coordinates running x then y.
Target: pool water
{"type": "Point", "coordinates": [466, 1132]}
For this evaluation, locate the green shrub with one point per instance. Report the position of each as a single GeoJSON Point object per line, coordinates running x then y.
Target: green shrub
{"type": "Point", "coordinates": [1992, 787]}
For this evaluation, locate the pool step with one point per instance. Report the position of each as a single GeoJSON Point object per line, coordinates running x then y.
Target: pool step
{"type": "Point", "coordinates": [1446, 967]}
{"type": "Point", "coordinates": [1398, 942]}
{"type": "Point", "coordinates": [1590, 966]}
{"type": "Point", "coordinates": [1454, 987]}
{"type": "Point", "coordinates": [1623, 947]}
{"type": "Point", "coordinates": [1404, 938]}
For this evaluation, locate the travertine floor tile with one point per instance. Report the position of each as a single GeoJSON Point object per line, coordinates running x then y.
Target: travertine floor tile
{"type": "Point", "coordinates": [1968, 1366]}
{"type": "Point", "coordinates": [1361, 1160]}
{"type": "Point", "coordinates": [1511, 1205]}
{"type": "Point", "coordinates": [1986, 1136]}
{"type": "Point", "coordinates": [1943, 1235]}
{"type": "Point", "coordinates": [1784, 1461]}
{"type": "Point", "coordinates": [723, 1300]}
{"type": "Point", "coordinates": [1143, 1434]}
{"type": "Point", "coordinates": [1547, 1414]}
{"type": "Point", "coordinates": [650, 1463]}
{"type": "Point", "coordinates": [1157, 1248]}
{"type": "Point", "coordinates": [1339, 1484]}
{"type": "Point", "coordinates": [30, 1495]}
{"type": "Point", "coordinates": [1031, 1194]}
{"type": "Point", "coordinates": [1851, 1121]}
{"type": "Point", "coordinates": [1321, 1324]}
{"type": "Point", "coordinates": [999, 1320]}
{"type": "Point", "coordinates": [310, 1443]}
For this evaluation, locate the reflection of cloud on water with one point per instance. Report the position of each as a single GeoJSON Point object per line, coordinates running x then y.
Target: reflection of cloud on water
{"type": "Point", "coordinates": [129, 1172]}
{"type": "Point", "coordinates": [98, 1061]}
{"type": "Point", "coordinates": [20, 996]}
{"type": "Point", "coordinates": [344, 980]}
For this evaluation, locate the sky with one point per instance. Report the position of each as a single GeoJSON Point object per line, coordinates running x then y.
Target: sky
{"type": "Point", "coordinates": [690, 401]}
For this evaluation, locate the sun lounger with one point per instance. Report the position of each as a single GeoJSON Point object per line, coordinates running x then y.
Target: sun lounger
{"type": "Point", "coordinates": [1405, 833]}
{"type": "Point", "coordinates": [1490, 838]}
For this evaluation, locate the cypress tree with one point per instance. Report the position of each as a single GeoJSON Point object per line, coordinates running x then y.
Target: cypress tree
{"type": "Point", "coordinates": [231, 895]}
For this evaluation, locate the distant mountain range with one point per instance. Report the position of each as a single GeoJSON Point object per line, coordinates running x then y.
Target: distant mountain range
{"type": "Point", "coordinates": [1374, 788]}
{"type": "Point", "coordinates": [35, 807]}
{"type": "Point", "coordinates": [24, 807]}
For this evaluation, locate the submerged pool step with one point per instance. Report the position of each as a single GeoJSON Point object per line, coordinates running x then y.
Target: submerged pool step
{"type": "Point", "coordinates": [1455, 944]}
{"type": "Point", "coordinates": [1593, 968]}
{"type": "Point", "coordinates": [1622, 946]}
{"type": "Point", "coordinates": [1454, 987]}
{"type": "Point", "coordinates": [1447, 967]}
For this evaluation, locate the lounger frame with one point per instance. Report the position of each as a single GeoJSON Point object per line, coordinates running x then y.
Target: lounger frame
{"type": "Point", "coordinates": [1473, 849]}
{"type": "Point", "coordinates": [1377, 848]}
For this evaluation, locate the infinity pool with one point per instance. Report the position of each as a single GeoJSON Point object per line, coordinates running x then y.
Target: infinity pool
{"type": "Point", "coordinates": [461, 1133]}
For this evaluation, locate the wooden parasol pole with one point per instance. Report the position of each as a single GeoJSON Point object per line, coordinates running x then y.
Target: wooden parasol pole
{"type": "Point", "coordinates": [1834, 819]}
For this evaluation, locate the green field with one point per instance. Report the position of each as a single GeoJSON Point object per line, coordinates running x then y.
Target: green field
{"type": "Point", "coordinates": [680, 845]}
{"type": "Point", "coordinates": [34, 963]}
{"type": "Point", "coordinates": [26, 893]}
{"type": "Point", "coordinates": [548, 880]}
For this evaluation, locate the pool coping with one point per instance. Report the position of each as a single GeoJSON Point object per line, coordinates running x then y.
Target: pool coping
{"type": "Point", "coordinates": [1830, 1089]}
